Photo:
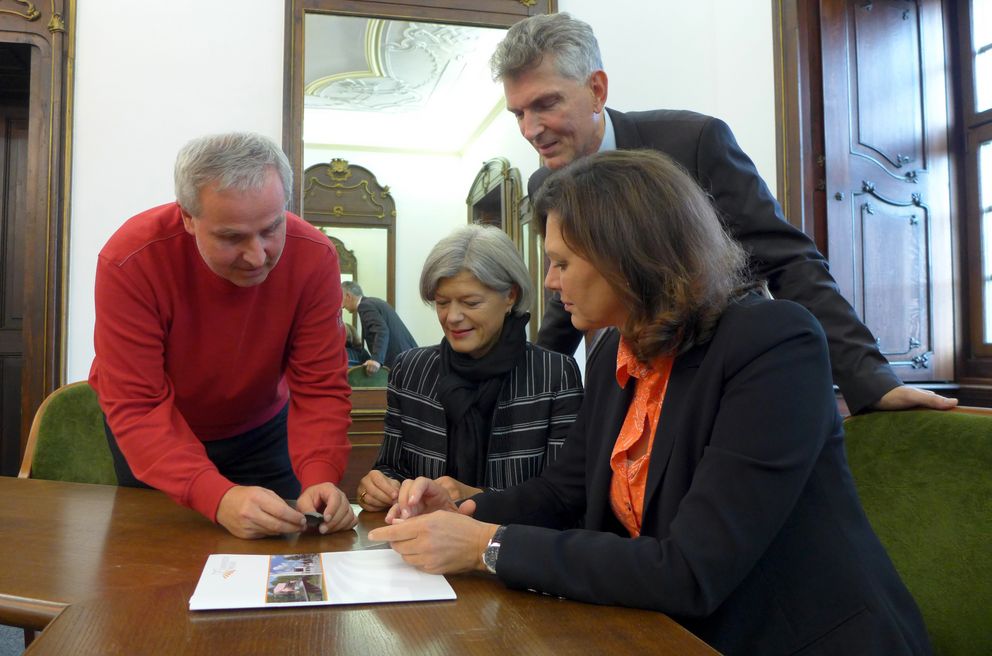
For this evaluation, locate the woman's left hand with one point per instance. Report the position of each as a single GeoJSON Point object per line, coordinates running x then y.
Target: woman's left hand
{"type": "Point", "coordinates": [439, 542]}
{"type": "Point", "coordinates": [456, 489]}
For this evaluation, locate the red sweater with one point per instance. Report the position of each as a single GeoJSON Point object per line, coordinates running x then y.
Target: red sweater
{"type": "Point", "coordinates": [183, 356]}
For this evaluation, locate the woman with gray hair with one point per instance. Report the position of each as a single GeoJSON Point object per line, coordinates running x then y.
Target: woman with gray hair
{"type": "Point", "coordinates": [484, 408]}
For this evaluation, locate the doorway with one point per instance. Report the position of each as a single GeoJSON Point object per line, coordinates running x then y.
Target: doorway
{"type": "Point", "coordinates": [15, 85]}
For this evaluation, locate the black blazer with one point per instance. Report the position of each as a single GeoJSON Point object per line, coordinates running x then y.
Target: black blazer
{"type": "Point", "coordinates": [753, 536]}
{"type": "Point", "coordinates": [383, 330]}
{"type": "Point", "coordinates": [779, 253]}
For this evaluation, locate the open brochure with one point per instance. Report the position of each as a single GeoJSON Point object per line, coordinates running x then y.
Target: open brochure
{"type": "Point", "coordinates": [345, 577]}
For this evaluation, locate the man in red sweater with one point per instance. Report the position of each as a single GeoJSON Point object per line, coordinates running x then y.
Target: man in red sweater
{"type": "Point", "coordinates": [220, 361]}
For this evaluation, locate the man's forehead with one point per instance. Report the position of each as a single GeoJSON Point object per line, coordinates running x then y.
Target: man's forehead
{"type": "Point", "coordinates": [235, 226]}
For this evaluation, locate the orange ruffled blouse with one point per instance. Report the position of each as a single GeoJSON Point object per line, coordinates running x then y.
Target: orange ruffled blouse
{"type": "Point", "coordinates": [632, 451]}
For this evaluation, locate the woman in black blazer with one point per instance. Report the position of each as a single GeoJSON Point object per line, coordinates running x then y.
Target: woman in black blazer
{"type": "Point", "coordinates": [746, 526]}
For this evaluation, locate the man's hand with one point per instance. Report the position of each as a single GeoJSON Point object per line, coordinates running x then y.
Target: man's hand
{"type": "Point", "coordinates": [376, 491]}
{"type": "Point", "coordinates": [371, 366]}
{"type": "Point", "coordinates": [255, 512]}
{"type": "Point", "coordinates": [439, 542]}
{"type": "Point", "coordinates": [419, 497]}
{"type": "Point", "coordinates": [456, 489]}
{"type": "Point", "coordinates": [905, 397]}
{"type": "Point", "coordinates": [330, 501]}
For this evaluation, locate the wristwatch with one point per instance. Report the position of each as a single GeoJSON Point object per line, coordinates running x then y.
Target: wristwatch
{"type": "Point", "coordinates": [491, 554]}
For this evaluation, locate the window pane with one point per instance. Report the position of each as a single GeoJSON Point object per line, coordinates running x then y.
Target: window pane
{"type": "Point", "coordinates": [981, 45]}
{"type": "Point", "coordinates": [985, 176]}
{"type": "Point", "coordinates": [983, 81]}
{"type": "Point", "coordinates": [981, 22]}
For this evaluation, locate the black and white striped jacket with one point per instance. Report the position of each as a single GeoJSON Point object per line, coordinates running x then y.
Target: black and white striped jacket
{"type": "Point", "coordinates": [537, 404]}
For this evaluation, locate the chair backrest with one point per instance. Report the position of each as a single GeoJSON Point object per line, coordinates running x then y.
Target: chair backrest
{"type": "Point", "coordinates": [358, 378]}
{"type": "Point", "coordinates": [925, 481]}
{"type": "Point", "coordinates": [67, 441]}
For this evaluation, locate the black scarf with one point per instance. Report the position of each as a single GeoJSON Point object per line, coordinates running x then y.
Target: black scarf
{"type": "Point", "coordinates": [468, 389]}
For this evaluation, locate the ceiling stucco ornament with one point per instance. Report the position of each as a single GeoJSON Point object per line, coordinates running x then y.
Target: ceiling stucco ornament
{"type": "Point", "coordinates": [405, 64]}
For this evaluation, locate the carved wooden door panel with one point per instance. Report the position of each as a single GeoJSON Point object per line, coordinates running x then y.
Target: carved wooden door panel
{"type": "Point", "coordinates": [13, 220]}
{"type": "Point", "coordinates": [885, 138]}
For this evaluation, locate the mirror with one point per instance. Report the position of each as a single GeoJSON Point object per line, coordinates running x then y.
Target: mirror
{"type": "Point", "coordinates": [369, 83]}
{"type": "Point", "coordinates": [494, 197]}
{"type": "Point", "coordinates": [348, 204]}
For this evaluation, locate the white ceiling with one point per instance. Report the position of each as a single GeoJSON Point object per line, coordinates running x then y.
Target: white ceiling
{"type": "Point", "coordinates": [397, 85]}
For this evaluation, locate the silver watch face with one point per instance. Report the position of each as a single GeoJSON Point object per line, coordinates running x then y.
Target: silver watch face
{"type": "Point", "coordinates": [489, 557]}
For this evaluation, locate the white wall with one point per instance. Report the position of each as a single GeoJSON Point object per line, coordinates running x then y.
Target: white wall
{"type": "Point", "coordinates": [710, 56]}
{"type": "Point", "coordinates": [149, 77]}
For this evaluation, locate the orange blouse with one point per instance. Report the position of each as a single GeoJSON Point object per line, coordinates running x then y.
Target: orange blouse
{"type": "Point", "coordinates": [632, 450]}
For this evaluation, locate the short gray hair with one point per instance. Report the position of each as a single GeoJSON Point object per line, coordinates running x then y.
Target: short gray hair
{"type": "Point", "coordinates": [238, 160]}
{"type": "Point", "coordinates": [488, 254]}
{"type": "Point", "coordinates": [352, 287]}
{"type": "Point", "coordinates": [569, 41]}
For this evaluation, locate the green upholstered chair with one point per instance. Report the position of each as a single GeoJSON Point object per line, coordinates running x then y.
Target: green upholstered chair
{"type": "Point", "coordinates": [925, 481]}
{"type": "Point", "coordinates": [67, 441]}
{"type": "Point", "coordinates": [358, 378]}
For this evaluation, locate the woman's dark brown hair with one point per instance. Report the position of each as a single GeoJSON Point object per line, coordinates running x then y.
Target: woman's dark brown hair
{"type": "Point", "coordinates": [656, 238]}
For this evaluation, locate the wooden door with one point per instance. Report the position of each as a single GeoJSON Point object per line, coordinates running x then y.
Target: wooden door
{"type": "Point", "coordinates": [13, 218]}
{"type": "Point", "coordinates": [887, 184]}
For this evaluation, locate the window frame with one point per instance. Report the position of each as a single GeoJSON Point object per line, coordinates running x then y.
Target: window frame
{"type": "Point", "coordinates": [975, 129]}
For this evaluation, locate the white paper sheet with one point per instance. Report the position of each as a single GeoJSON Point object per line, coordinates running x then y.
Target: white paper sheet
{"type": "Point", "coordinates": [346, 577]}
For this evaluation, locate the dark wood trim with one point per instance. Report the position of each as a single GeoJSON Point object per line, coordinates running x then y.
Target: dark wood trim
{"type": "Point", "coordinates": [799, 116]}
{"type": "Point", "coordinates": [51, 36]}
{"type": "Point", "coordinates": [967, 69]}
{"type": "Point", "coordinates": [482, 13]}
{"type": "Point", "coordinates": [968, 129]}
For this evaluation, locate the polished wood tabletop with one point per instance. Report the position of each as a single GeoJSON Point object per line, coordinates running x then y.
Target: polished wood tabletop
{"type": "Point", "coordinates": [108, 570]}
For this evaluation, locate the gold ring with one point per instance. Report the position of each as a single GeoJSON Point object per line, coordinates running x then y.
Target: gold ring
{"type": "Point", "coordinates": [361, 497]}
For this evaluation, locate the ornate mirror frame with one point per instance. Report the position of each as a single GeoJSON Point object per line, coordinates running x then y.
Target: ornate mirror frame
{"type": "Point", "coordinates": [346, 195]}
{"type": "Point", "coordinates": [494, 197]}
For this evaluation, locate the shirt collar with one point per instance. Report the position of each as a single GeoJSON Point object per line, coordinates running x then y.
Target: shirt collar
{"type": "Point", "coordinates": [628, 366]}
{"type": "Point", "coordinates": [609, 135]}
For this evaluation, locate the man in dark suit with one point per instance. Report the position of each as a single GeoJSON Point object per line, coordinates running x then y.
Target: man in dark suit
{"type": "Point", "coordinates": [382, 328]}
{"type": "Point", "coordinates": [555, 85]}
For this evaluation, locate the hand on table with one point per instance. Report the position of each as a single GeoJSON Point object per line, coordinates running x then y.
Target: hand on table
{"type": "Point", "coordinates": [420, 496]}
{"type": "Point", "coordinates": [905, 397]}
{"type": "Point", "coordinates": [255, 512]}
{"type": "Point", "coordinates": [439, 542]}
{"type": "Point", "coordinates": [328, 499]}
{"type": "Point", "coordinates": [371, 366]}
{"type": "Point", "coordinates": [456, 489]}
{"type": "Point", "coordinates": [376, 491]}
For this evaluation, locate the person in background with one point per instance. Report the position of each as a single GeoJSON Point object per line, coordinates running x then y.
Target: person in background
{"type": "Point", "coordinates": [555, 85]}
{"type": "Point", "coordinates": [218, 377]}
{"type": "Point", "coordinates": [353, 346]}
{"type": "Point", "coordinates": [383, 330]}
{"type": "Point", "coordinates": [484, 408]}
{"type": "Point", "coordinates": [707, 465]}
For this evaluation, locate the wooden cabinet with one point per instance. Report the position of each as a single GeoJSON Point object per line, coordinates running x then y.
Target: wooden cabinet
{"type": "Point", "coordinates": [368, 414]}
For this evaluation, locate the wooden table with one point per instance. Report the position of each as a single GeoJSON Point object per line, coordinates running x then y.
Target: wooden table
{"type": "Point", "coordinates": [108, 570]}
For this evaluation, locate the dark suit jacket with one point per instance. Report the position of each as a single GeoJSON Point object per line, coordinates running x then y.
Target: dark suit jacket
{"type": "Point", "coordinates": [779, 253]}
{"type": "Point", "coordinates": [383, 330]}
{"type": "Point", "coordinates": [752, 535]}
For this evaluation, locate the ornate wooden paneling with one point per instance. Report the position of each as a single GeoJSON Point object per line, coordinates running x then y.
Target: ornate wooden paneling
{"type": "Point", "coordinates": [44, 27]}
{"type": "Point", "coordinates": [887, 178]}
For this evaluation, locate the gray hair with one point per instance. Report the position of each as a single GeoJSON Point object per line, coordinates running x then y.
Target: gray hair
{"type": "Point", "coordinates": [352, 287]}
{"type": "Point", "coordinates": [238, 160]}
{"type": "Point", "coordinates": [488, 254]}
{"type": "Point", "coordinates": [569, 41]}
